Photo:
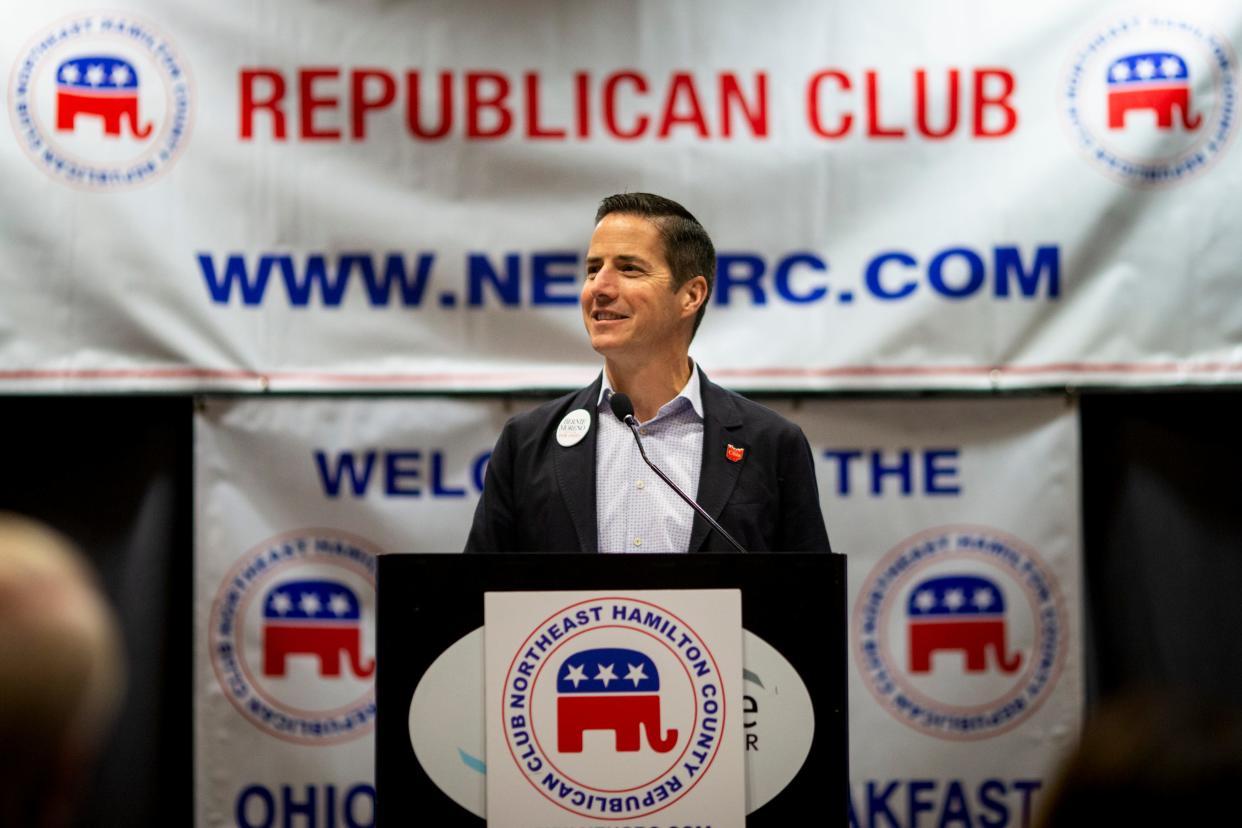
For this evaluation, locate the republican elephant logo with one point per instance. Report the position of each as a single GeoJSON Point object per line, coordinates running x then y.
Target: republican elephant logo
{"type": "Point", "coordinates": [1153, 81]}
{"type": "Point", "coordinates": [960, 613]}
{"type": "Point", "coordinates": [100, 86]}
{"type": "Point", "coordinates": [319, 618]}
{"type": "Point", "coordinates": [610, 689]}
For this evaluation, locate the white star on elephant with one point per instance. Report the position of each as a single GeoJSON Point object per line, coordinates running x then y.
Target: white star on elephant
{"type": "Point", "coordinates": [983, 598]}
{"type": "Point", "coordinates": [309, 603]}
{"type": "Point", "coordinates": [605, 674]}
{"type": "Point", "coordinates": [953, 599]}
{"type": "Point", "coordinates": [1170, 67]}
{"type": "Point", "coordinates": [636, 673]}
{"type": "Point", "coordinates": [576, 674]}
{"type": "Point", "coordinates": [281, 603]}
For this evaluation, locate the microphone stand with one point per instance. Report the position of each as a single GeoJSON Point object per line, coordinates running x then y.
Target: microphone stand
{"type": "Point", "coordinates": [632, 422]}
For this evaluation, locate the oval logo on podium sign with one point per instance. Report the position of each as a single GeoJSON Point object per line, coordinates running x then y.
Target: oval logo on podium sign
{"type": "Point", "coordinates": [446, 721]}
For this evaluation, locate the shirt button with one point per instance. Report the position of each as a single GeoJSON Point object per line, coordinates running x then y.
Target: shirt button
{"type": "Point", "coordinates": [638, 541]}
{"type": "Point", "coordinates": [640, 484]}
{"type": "Point", "coordinates": [643, 431]}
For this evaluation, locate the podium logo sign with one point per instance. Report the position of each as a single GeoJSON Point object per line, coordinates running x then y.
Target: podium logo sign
{"type": "Point", "coordinates": [446, 729]}
{"type": "Point", "coordinates": [292, 637]}
{"type": "Point", "coordinates": [615, 708]}
{"type": "Point", "coordinates": [960, 632]}
{"type": "Point", "coordinates": [1151, 99]}
{"type": "Point", "coordinates": [101, 101]}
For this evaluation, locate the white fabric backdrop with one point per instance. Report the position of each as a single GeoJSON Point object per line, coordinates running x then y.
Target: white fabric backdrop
{"type": "Point", "coordinates": [903, 196]}
{"type": "Point", "coordinates": [273, 473]}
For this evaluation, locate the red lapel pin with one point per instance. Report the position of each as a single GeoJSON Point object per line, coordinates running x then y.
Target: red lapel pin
{"type": "Point", "coordinates": [734, 453]}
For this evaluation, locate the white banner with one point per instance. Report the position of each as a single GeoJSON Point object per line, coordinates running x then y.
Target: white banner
{"type": "Point", "coordinates": [398, 196]}
{"type": "Point", "coordinates": [960, 519]}
{"type": "Point", "coordinates": [962, 524]}
{"type": "Point", "coordinates": [294, 498]}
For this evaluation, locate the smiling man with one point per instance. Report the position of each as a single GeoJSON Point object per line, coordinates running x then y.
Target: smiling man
{"type": "Point", "coordinates": [568, 476]}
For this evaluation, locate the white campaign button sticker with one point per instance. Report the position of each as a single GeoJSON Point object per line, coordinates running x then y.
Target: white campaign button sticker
{"type": "Point", "coordinates": [573, 427]}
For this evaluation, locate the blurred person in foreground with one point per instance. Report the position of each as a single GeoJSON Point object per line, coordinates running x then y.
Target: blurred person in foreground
{"type": "Point", "coordinates": [61, 674]}
{"type": "Point", "coordinates": [1151, 759]}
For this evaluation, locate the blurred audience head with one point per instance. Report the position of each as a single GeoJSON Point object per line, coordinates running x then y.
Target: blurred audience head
{"type": "Point", "coordinates": [61, 673]}
{"type": "Point", "coordinates": [1151, 759]}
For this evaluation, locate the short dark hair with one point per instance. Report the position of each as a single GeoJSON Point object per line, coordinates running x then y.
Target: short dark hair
{"type": "Point", "coordinates": [687, 247]}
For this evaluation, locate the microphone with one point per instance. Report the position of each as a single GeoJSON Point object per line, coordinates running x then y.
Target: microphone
{"type": "Point", "coordinates": [624, 411]}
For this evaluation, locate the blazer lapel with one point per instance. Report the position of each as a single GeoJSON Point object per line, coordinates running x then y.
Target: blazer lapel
{"type": "Point", "coordinates": [722, 427]}
{"type": "Point", "coordinates": [575, 471]}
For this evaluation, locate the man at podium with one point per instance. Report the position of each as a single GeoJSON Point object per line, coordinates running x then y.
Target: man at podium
{"type": "Point", "coordinates": [571, 476]}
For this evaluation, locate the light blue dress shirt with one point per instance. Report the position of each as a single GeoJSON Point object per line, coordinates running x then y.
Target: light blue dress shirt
{"type": "Point", "coordinates": [636, 511]}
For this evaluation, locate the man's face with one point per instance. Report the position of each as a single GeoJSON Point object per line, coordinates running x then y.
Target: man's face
{"type": "Point", "coordinates": [628, 304]}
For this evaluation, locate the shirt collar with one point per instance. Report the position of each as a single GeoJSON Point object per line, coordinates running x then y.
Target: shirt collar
{"type": "Point", "coordinates": [691, 391]}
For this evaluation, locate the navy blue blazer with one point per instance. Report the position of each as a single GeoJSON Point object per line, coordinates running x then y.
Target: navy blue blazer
{"type": "Point", "coordinates": [539, 496]}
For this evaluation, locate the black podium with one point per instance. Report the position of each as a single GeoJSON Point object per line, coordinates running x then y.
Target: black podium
{"type": "Point", "coordinates": [430, 603]}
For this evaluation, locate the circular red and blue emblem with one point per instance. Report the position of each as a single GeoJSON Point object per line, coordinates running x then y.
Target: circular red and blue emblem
{"type": "Point", "coordinates": [960, 632]}
{"type": "Point", "coordinates": [1152, 99]}
{"type": "Point", "coordinates": [101, 100]}
{"type": "Point", "coordinates": [613, 708]}
{"type": "Point", "coordinates": [292, 636]}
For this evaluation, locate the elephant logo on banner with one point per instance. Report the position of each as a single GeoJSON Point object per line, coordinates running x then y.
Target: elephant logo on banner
{"type": "Point", "coordinates": [320, 618]}
{"type": "Point", "coordinates": [100, 86]}
{"type": "Point", "coordinates": [610, 689]}
{"type": "Point", "coordinates": [1153, 81]}
{"type": "Point", "coordinates": [960, 613]}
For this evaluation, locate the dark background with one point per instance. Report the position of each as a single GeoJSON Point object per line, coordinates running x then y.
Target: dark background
{"type": "Point", "coordinates": [1162, 517]}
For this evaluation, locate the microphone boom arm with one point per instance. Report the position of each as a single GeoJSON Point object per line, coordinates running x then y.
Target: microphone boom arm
{"type": "Point", "coordinates": [633, 424]}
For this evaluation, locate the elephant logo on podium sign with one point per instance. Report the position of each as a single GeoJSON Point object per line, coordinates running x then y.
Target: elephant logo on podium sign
{"type": "Point", "coordinates": [100, 86]}
{"type": "Point", "coordinates": [320, 618]}
{"type": "Point", "coordinates": [610, 689]}
{"type": "Point", "coordinates": [1155, 81]}
{"type": "Point", "coordinates": [962, 613]}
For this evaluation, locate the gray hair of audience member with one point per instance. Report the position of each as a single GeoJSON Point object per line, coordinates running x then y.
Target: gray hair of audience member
{"type": "Point", "coordinates": [61, 673]}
